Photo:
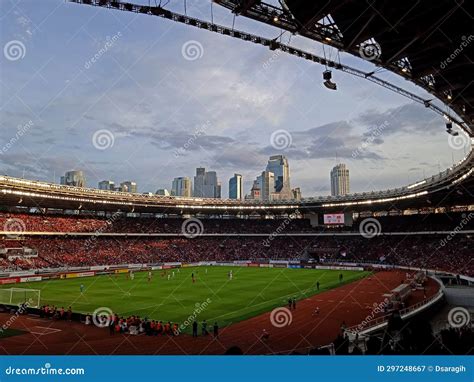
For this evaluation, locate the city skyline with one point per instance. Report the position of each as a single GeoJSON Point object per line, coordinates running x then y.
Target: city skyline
{"type": "Point", "coordinates": [273, 182]}
{"type": "Point", "coordinates": [144, 102]}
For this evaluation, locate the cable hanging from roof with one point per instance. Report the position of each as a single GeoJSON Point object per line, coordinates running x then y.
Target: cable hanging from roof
{"type": "Point", "coordinates": [272, 45]}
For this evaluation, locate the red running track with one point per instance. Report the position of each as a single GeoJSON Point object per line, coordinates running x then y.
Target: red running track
{"type": "Point", "coordinates": [351, 303]}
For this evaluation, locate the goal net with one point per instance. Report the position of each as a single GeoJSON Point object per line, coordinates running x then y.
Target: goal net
{"type": "Point", "coordinates": [18, 296]}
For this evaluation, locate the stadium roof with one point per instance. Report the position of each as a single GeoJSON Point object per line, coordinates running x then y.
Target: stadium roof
{"type": "Point", "coordinates": [452, 187]}
{"type": "Point", "coordinates": [428, 42]}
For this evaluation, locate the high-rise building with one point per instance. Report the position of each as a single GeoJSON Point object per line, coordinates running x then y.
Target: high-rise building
{"type": "Point", "coordinates": [255, 193]}
{"type": "Point", "coordinates": [107, 185]}
{"type": "Point", "coordinates": [181, 186]}
{"type": "Point", "coordinates": [162, 192]}
{"type": "Point", "coordinates": [128, 186]}
{"type": "Point", "coordinates": [296, 193]}
{"type": "Point", "coordinates": [199, 179]}
{"type": "Point", "coordinates": [267, 181]}
{"type": "Point", "coordinates": [339, 180]}
{"type": "Point", "coordinates": [278, 165]}
{"type": "Point", "coordinates": [235, 187]}
{"type": "Point", "coordinates": [206, 184]}
{"type": "Point", "coordinates": [74, 178]}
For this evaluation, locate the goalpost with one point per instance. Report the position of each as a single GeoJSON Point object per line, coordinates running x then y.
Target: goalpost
{"type": "Point", "coordinates": [17, 296]}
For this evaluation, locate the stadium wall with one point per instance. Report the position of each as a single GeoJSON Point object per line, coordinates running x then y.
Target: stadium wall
{"type": "Point", "coordinates": [460, 296]}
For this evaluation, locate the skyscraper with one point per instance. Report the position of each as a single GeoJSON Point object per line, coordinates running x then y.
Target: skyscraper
{"type": "Point", "coordinates": [162, 192]}
{"type": "Point", "coordinates": [74, 178]}
{"type": "Point", "coordinates": [255, 192]}
{"type": "Point", "coordinates": [339, 180]}
{"type": "Point", "coordinates": [235, 187]}
{"type": "Point", "coordinates": [107, 185]}
{"type": "Point", "coordinates": [278, 165]}
{"type": "Point", "coordinates": [267, 181]}
{"type": "Point", "coordinates": [128, 186]}
{"type": "Point", "coordinates": [206, 184]}
{"type": "Point", "coordinates": [181, 186]}
{"type": "Point", "coordinates": [199, 179]}
{"type": "Point", "coordinates": [296, 193]}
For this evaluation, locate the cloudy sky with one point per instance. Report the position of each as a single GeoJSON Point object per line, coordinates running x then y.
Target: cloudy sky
{"type": "Point", "coordinates": [135, 97]}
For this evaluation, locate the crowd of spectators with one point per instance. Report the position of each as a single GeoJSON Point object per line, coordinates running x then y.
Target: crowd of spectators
{"type": "Point", "coordinates": [448, 252]}
{"type": "Point", "coordinates": [121, 224]}
{"type": "Point", "coordinates": [133, 325]}
{"type": "Point", "coordinates": [421, 251]}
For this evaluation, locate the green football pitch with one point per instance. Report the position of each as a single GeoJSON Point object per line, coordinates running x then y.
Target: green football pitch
{"type": "Point", "coordinates": [250, 292]}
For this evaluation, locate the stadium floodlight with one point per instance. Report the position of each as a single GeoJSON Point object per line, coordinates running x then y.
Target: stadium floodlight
{"type": "Point", "coordinates": [273, 45]}
{"type": "Point", "coordinates": [327, 76]}
{"type": "Point", "coordinates": [449, 129]}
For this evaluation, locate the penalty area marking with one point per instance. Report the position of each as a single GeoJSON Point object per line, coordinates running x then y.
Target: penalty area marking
{"type": "Point", "coordinates": [44, 330]}
{"type": "Point", "coordinates": [37, 319]}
